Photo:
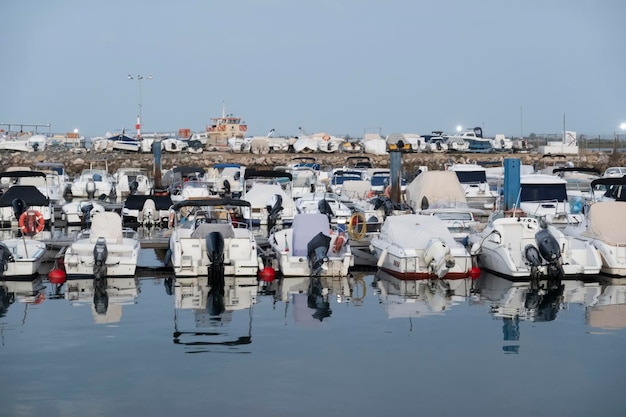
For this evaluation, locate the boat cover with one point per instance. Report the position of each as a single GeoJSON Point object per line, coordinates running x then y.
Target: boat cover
{"type": "Point", "coordinates": [414, 230]}
{"type": "Point", "coordinates": [107, 225]}
{"type": "Point", "coordinates": [606, 222]}
{"type": "Point", "coordinates": [305, 227]}
{"type": "Point", "coordinates": [441, 188]}
{"type": "Point", "coordinates": [260, 195]}
{"type": "Point", "coordinates": [29, 193]}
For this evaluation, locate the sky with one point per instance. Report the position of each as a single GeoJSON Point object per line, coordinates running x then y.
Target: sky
{"type": "Point", "coordinates": [345, 67]}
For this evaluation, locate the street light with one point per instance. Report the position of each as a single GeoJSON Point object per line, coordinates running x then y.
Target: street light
{"type": "Point", "coordinates": [139, 78]}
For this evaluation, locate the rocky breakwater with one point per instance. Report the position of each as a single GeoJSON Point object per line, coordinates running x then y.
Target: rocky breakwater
{"type": "Point", "coordinates": [75, 160]}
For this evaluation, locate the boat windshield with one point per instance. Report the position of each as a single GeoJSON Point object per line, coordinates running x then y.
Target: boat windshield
{"type": "Point", "coordinates": [543, 192]}
{"type": "Point", "coordinates": [469, 177]}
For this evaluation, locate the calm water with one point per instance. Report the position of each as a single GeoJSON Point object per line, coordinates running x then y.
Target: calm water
{"type": "Point", "coordinates": [367, 346]}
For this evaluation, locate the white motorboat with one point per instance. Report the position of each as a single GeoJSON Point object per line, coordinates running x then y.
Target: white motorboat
{"type": "Point", "coordinates": [270, 198]}
{"type": "Point", "coordinates": [473, 179]}
{"type": "Point", "coordinates": [173, 145]}
{"type": "Point", "coordinates": [107, 249]}
{"type": "Point", "coordinates": [13, 145]}
{"type": "Point", "coordinates": [93, 183]}
{"type": "Point", "coordinates": [341, 175]}
{"type": "Point", "coordinates": [545, 196]}
{"type": "Point", "coordinates": [146, 210]}
{"type": "Point", "coordinates": [310, 247]}
{"type": "Point", "coordinates": [415, 246]}
{"type": "Point", "coordinates": [78, 213]}
{"type": "Point", "coordinates": [328, 204]}
{"type": "Point", "coordinates": [210, 237]}
{"type": "Point", "coordinates": [24, 201]}
{"type": "Point", "coordinates": [21, 257]}
{"type": "Point", "coordinates": [605, 228]}
{"type": "Point", "coordinates": [527, 247]}
{"type": "Point", "coordinates": [609, 189]}
{"type": "Point", "coordinates": [304, 180]}
{"type": "Point", "coordinates": [132, 181]}
{"type": "Point", "coordinates": [191, 189]}
{"type": "Point", "coordinates": [226, 179]}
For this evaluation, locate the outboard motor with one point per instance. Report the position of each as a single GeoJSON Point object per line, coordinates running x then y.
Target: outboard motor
{"type": "Point", "coordinates": [551, 252]}
{"type": "Point", "coordinates": [532, 255]}
{"type": "Point", "coordinates": [274, 211]}
{"type": "Point", "coordinates": [148, 213]}
{"type": "Point", "coordinates": [90, 188]}
{"type": "Point", "coordinates": [324, 208]}
{"type": "Point", "coordinates": [85, 213]}
{"type": "Point", "coordinates": [317, 248]}
{"type": "Point", "coordinates": [226, 186]}
{"type": "Point", "coordinates": [133, 187]}
{"type": "Point", "coordinates": [100, 254]}
{"type": "Point", "coordinates": [19, 207]}
{"type": "Point", "coordinates": [215, 252]}
{"type": "Point", "coordinates": [5, 257]}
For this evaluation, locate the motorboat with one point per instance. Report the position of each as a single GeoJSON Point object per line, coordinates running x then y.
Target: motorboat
{"type": "Point", "coordinates": [146, 210]}
{"type": "Point", "coordinates": [79, 213]}
{"type": "Point", "coordinates": [578, 182]}
{"type": "Point", "coordinates": [132, 181]}
{"type": "Point", "coordinates": [525, 247]}
{"type": "Point", "coordinates": [605, 228]}
{"type": "Point", "coordinates": [339, 176]}
{"type": "Point", "coordinates": [304, 180]}
{"type": "Point", "coordinates": [614, 172]}
{"type": "Point", "coordinates": [15, 145]}
{"type": "Point", "coordinates": [310, 247]}
{"type": "Point", "coordinates": [94, 183]}
{"type": "Point", "coordinates": [416, 246]}
{"type": "Point", "coordinates": [609, 189]}
{"type": "Point", "coordinates": [24, 201]}
{"type": "Point", "coordinates": [226, 179]}
{"type": "Point", "coordinates": [477, 143]}
{"type": "Point", "coordinates": [271, 202]}
{"type": "Point", "coordinates": [473, 179]}
{"type": "Point", "coordinates": [543, 195]}
{"type": "Point", "coordinates": [328, 204]}
{"type": "Point", "coordinates": [173, 145]}
{"type": "Point", "coordinates": [190, 189]}
{"type": "Point", "coordinates": [106, 249]}
{"type": "Point", "coordinates": [57, 181]}
{"type": "Point", "coordinates": [500, 143]}
{"type": "Point", "coordinates": [210, 236]}
{"type": "Point", "coordinates": [21, 257]}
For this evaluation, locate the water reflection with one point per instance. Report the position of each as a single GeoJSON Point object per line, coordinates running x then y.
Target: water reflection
{"type": "Point", "coordinates": [609, 309]}
{"type": "Point", "coordinates": [207, 318]}
{"type": "Point", "coordinates": [420, 298]}
{"type": "Point", "coordinates": [105, 296]}
{"type": "Point", "coordinates": [26, 292]}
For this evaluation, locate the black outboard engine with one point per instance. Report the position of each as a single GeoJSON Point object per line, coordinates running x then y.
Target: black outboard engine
{"type": "Point", "coordinates": [274, 211]}
{"type": "Point", "coordinates": [226, 187]}
{"type": "Point", "coordinates": [85, 213]}
{"type": "Point", "coordinates": [5, 257]}
{"type": "Point", "coordinates": [317, 248]}
{"type": "Point", "coordinates": [324, 208]}
{"type": "Point", "coordinates": [133, 187]}
{"type": "Point", "coordinates": [215, 252]}
{"type": "Point", "coordinates": [100, 254]}
{"type": "Point", "coordinates": [551, 252]}
{"type": "Point", "coordinates": [19, 207]}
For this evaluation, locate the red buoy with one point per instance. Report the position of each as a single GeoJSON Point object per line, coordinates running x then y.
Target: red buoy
{"type": "Point", "coordinates": [474, 272]}
{"type": "Point", "coordinates": [56, 276]}
{"type": "Point", "coordinates": [267, 274]}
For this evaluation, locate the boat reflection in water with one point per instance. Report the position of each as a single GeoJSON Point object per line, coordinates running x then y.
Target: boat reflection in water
{"type": "Point", "coordinates": [215, 311]}
{"type": "Point", "coordinates": [420, 298]}
{"type": "Point", "coordinates": [536, 301]}
{"type": "Point", "coordinates": [309, 297]}
{"type": "Point", "coordinates": [26, 292]}
{"type": "Point", "coordinates": [106, 296]}
{"type": "Point", "coordinates": [609, 310]}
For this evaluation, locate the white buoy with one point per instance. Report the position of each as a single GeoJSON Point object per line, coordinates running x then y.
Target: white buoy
{"type": "Point", "coordinates": [381, 259]}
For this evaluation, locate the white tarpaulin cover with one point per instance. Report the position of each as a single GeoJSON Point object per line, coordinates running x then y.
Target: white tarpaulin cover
{"type": "Point", "coordinates": [441, 188]}
{"type": "Point", "coordinates": [607, 222]}
{"type": "Point", "coordinates": [414, 230]}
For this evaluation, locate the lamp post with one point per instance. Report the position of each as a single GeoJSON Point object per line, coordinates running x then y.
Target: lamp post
{"type": "Point", "coordinates": [139, 79]}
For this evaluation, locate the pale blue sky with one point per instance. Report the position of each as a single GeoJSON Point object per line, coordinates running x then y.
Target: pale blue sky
{"type": "Point", "coordinates": [339, 66]}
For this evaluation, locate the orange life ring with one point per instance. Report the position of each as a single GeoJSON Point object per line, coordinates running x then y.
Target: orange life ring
{"type": "Point", "coordinates": [339, 240]}
{"type": "Point", "coordinates": [243, 128]}
{"type": "Point", "coordinates": [221, 128]}
{"type": "Point", "coordinates": [31, 222]}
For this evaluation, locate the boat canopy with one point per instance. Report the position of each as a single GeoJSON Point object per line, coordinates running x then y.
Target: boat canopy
{"type": "Point", "coordinates": [441, 189]}
{"type": "Point", "coordinates": [606, 222]}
